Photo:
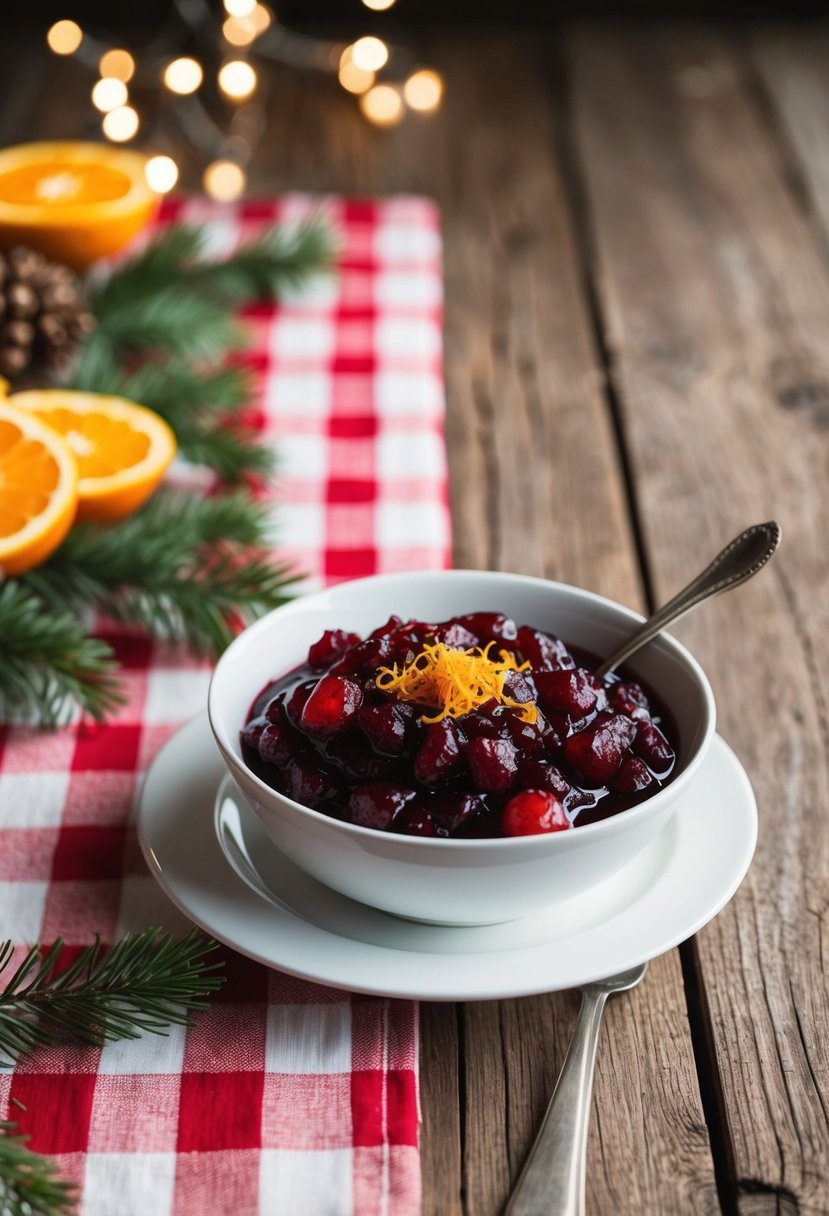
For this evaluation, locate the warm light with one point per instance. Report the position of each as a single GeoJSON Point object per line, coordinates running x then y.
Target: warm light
{"type": "Point", "coordinates": [240, 8]}
{"type": "Point", "coordinates": [119, 64]}
{"type": "Point", "coordinates": [161, 173]}
{"type": "Point", "coordinates": [108, 94]}
{"type": "Point", "coordinates": [237, 79]}
{"type": "Point", "coordinates": [378, 6]}
{"type": "Point", "coordinates": [370, 54]}
{"type": "Point", "coordinates": [423, 90]}
{"type": "Point", "coordinates": [382, 105]}
{"type": "Point", "coordinates": [261, 18]}
{"type": "Point", "coordinates": [355, 79]}
{"type": "Point", "coordinates": [224, 181]}
{"type": "Point", "coordinates": [239, 31]}
{"type": "Point", "coordinates": [183, 75]}
{"type": "Point", "coordinates": [64, 37]}
{"type": "Point", "coordinates": [121, 124]}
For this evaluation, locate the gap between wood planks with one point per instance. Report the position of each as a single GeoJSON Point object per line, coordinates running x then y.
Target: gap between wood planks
{"type": "Point", "coordinates": [578, 202]}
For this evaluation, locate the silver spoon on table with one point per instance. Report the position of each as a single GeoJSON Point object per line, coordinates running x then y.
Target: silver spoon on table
{"type": "Point", "coordinates": [552, 1181]}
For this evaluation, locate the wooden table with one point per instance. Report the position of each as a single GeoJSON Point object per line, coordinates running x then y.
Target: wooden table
{"type": "Point", "coordinates": [637, 360]}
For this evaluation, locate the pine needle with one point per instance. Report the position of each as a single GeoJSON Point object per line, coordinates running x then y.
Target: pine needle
{"type": "Point", "coordinates": [29, 1182]}
{"type": "Point", "coordinates": [183, 568]}
{"type": "Point", "coordinates": [49, 663]}
{"type": "Point", "coordinates": [147, 981]}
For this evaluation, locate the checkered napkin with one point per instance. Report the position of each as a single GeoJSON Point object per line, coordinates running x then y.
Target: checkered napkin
{"type": "Point", "coordinates": [285, 1098]}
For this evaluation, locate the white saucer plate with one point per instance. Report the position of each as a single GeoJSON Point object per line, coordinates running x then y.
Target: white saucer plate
{"type": "Point", "coordinates": [206, 848]}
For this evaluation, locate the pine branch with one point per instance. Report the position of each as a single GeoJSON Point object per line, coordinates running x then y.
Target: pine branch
{"type": "Point", "coordinates": [277, 261]}
{"type": "Point", "coordinates": [197, 404]}
{"type": "Point", "coordinates": [29, 1182]}
{"type": "Point", "coordinates": [173, 298]}
{"type": "Point", "coordinates": [48, 662]}
{"type": "Point", "coordinates": [183, 568]}
{"type": "Point", "coordinates": [147, 981]}
{"type": "Point", "coordinates": [173, 320]}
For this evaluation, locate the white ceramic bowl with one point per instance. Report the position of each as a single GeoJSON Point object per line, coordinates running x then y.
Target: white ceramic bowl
{"type": "Point", "coordinates": [451, 881]}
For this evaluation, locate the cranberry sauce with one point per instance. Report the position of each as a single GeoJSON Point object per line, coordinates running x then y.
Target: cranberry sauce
{"type": "Point", "coordinates": [556, 747]}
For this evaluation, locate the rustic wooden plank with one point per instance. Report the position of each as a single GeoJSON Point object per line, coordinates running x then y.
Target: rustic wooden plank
{"type": "Point", "coordinates": [792, 64]}
{"type": "Point", "coordinates": [536, 486]}
{"type": "Point", "coordinates": [716, 300]}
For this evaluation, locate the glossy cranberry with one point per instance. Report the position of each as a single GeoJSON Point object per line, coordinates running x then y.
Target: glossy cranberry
{"type": "Point", "coordinates": [520, 687]}
{"type": "Point", "coordinates": [489, 626]}
{"type": "Point", "coordinates": [330, 707]}
{"type": "Point", "coordinates": [527, 736]}
{"type": "Point", "coordinates": [382, 631]}
{"type": "Point", "coordinates": [452, 812]}
{"type": "Point", "coordinates": [307, 782]}
{"type": "Point", "coordinates": [532, 812]}
{"type": "Point", "coordinates": [275, 710]}
{"type": "Point", "coordinates": [632, 777]}
{"type": "Point", "coordinates": [332, 645]}
{"type": "Point", "coordinates": [349, 755]}
{"type": "Point", "coordinates": [384, 727]}
{"type": "Point", "coordinates": [654, 748]}
{"type": "Point", "coordinates": [296, 701]}
{"type": "Point", "coordinates": [489, 722]}
{"type": "Point", "coordinates": [439, 754]}
{"type": "Point", "coordinates": [569, 692]}
{"type": "Point", "coordinates": [377, 804]}
{"type": "Point", "coordinates": [629, 698]}
{"type": "Point", "coordinates": [493, 764]}
{"type": "Point", "coordinates": [415, 820]}
{"type": "Point", "coordinates": [278, 743]}
{"type": "Point", "coordinates": [596, 752]}
{"type": "Point", "coordinates": [543, 775]}
{"type": "Point", "coordinates": [545, 651]}
{"type": "Point", "coordinates": [455, 635]}
{"type": "Point", "coordinates": [251, 732]}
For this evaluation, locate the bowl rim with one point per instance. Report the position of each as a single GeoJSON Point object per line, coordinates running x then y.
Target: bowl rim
{"type": "Point", "coordinates": [603, 827]}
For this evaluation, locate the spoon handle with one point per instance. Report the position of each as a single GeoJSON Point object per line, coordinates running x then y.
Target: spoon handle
{"type": "Point", "coordinates": [737, 562]}
{"type": "Point", "coordinates": [552, 1181]}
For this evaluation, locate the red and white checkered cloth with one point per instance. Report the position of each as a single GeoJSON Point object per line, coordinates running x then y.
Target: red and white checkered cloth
{"type": "Point", "coordinates": [285, 1098]}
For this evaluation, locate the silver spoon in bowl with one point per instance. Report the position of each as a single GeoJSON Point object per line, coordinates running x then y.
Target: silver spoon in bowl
{"type": "Point", "coordinates": [738, 562]}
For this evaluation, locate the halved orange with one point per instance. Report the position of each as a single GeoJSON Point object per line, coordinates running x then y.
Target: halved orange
{"type": "Point", "coordinates": [73, 201]}
{"type": "Point", "coordinates": [121, 449]}
{"type": "Point", "coordinates": [38, 490]}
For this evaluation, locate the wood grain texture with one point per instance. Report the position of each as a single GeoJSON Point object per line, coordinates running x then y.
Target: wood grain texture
{"type": "Point", "coordinates": [537, 486]}
{"type": "Point", "coordinates": [716, 303]}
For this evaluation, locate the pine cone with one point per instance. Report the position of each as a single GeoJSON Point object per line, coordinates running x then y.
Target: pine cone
{"type": "Point", "coordinates": [42, 313]}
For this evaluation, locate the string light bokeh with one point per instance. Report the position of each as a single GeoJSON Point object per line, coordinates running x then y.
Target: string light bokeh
{"type": "Point", "coordinates": [215, 95]}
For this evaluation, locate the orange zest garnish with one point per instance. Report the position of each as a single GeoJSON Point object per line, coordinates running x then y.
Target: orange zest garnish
{"type": "Point", "coordinates": [454, 682]}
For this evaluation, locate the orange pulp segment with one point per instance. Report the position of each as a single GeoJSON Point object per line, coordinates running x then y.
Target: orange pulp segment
{"type": "Point", "coordinates": [73, 201]}
{"type": "Point", "coordinates": [122, 449]}
{"type": "Point", "coordinates": [38, 490]}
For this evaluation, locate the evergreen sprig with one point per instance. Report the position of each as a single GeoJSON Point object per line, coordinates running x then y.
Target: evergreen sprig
{"type": "Point", "coordinates": [167, 315]}
{"type": "Point", "coordinates": [173, 297]}
{"type": "Point", "coordinates": [199, 404]}
{"type": "Point", "coordinates": [184, 568]}
{"type": "Point", "coordinates": [49, 663]}
{"type": "Point", "coordinates": [29, 1182]}
{"type": "Point", "coordinates": [145, 982]}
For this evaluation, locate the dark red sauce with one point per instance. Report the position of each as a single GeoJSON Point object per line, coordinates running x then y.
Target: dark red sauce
{"type": "Point", "coordinates": [360, 754]}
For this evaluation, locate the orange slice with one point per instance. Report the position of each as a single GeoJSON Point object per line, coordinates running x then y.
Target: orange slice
{"type": "Point", "coordinates": [121, 449]}
{"type": "Point", "coordinates": [75, 202]}
{"type": "Point", "coordinates": [38, 490]}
